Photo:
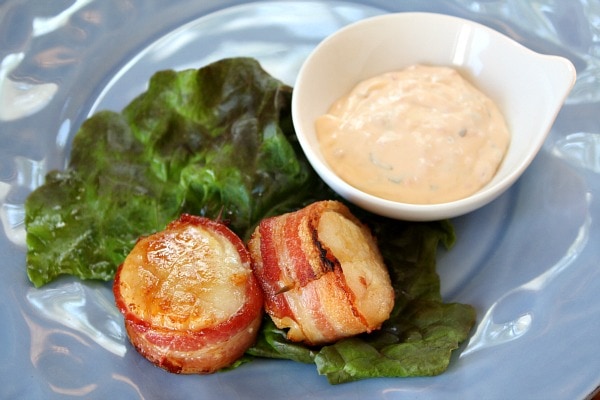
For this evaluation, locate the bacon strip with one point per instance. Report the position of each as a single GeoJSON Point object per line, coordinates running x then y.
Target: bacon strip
{"type": "Point", "coordinates": [321, 273]}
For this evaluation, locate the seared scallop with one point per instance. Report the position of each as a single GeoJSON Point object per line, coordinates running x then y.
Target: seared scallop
{"type": "Point", "coordinates": [189, 297]}
{"type": "Point", "coordinates": [322, 274]}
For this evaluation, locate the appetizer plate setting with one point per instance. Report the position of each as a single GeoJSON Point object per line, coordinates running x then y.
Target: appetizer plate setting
{"type": "Point", "coordinates": [527, 261]}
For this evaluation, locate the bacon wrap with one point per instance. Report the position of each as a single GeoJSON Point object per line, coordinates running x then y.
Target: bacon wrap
{"type": "Point", "coordinates": [313, 282]}
{"type": "Point", "coordinates": [171, 289]}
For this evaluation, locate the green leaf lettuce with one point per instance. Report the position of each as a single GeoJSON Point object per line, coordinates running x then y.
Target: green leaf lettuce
{"type": "Point", "coordinates": [217, 141]}
{"type": "Point", "coordinates": [422, 331]}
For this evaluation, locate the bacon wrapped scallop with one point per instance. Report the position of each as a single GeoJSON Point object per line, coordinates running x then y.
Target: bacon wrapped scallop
{"type": "Point", "coordinates": [322, 274]}
{"type": "Point", "coordinates": [190, 300]}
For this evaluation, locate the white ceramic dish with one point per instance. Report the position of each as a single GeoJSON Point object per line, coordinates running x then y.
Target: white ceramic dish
{"type": "Point", "coordinates": [528, 87]}
{"type": "Point", "coordinates": [527, 261]}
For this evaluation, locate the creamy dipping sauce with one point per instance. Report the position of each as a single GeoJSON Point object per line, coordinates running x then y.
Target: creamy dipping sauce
{"type": "Point", "coordinates": [421, 135]}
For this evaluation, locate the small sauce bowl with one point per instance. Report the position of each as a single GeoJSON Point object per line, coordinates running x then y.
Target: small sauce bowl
{"type": "Point", "coordinates": [528, 87]}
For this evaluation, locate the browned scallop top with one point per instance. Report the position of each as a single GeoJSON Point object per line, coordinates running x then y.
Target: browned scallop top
{"type": "Point", "coordinates": [188, 276]}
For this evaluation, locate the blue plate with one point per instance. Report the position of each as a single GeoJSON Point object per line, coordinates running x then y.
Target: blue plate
{"type": "Point", "coordinates": [529, 262]}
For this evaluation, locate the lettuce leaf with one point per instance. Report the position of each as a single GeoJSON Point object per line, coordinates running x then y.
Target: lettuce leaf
{"type": "Point", "coordinates": [422, 331]}
{"type": "Point", "coordinates": [218, 142]}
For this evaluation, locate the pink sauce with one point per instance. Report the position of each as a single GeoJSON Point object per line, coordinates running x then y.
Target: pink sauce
{"type": "Point", "coordinates": [421, 135]}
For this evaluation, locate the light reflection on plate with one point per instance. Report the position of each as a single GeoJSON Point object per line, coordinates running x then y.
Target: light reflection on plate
{"type": "Point", "coordinates": [527, 262]}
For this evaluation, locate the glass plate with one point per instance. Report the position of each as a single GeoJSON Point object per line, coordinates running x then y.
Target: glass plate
{"type": "Point", "coordinates": [528, 262]}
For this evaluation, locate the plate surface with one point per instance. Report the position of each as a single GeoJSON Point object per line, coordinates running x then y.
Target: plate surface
{"type": "Point", "coordinates": [528, 261]}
